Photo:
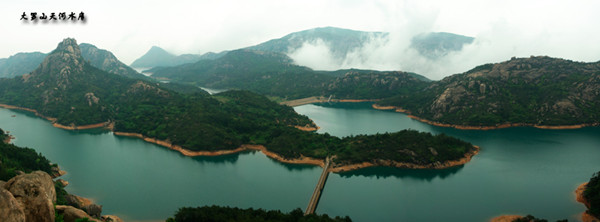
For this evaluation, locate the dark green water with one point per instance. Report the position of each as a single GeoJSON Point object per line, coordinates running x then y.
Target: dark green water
{"type": "Point", "coordinates": [518, 171]}
{"type": "Point", "coordinates": [141, 181]}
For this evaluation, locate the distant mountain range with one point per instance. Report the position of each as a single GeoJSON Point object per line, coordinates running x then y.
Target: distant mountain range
{"type": "Point", "coordinates": [340, 42]}
{"type": "Point", "coordinates": [157, 56]}
{"type": "Point", "coordinates": [275, 74]}
{"type": "Point", "coordinates": [20, 63]}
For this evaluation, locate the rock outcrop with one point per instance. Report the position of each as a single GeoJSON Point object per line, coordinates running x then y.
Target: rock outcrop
{"type": "Point", "coordinates": [10, 211]}
{"type": "Point", "coordinates": [111, 218]}
{"type": "Point", "coordinates": [71, 214]}
{"type": "Point", "coordinates": [34, 194]}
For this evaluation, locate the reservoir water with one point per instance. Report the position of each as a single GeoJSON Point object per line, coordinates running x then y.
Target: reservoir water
{"type": "Point", "coordinates": [518, 171]}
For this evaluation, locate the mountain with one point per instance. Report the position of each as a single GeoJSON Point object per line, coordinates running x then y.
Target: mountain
{"type": "Point", "coordinates": [263, 72]}
{"type": "Point", "coordinates": [368, 84]}
{"type": "Point", "coordinates": [340, 41]}
{"type": "Point", "coordinates": [73, 92]}
{"type": "Point", "coordinates": [106, 61]}
{"type": "Point", "coordinates": [69, 91]}
{"type": "Point", "coordinates": [434, 45]}
{"type": "Point", "coordinates": [24, 63]}
{"type": "Point", "coordinates": [20, 63]}
{"type": "Point", "coordinates": [531, 91]}
{"type": "Point", "coordinates": [157, 56]}
{"type": "Point", "coordinates": [275, 74]}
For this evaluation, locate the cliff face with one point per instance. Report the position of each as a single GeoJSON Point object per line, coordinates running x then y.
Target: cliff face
{"type": "Point", "coordinates": [536, 90]}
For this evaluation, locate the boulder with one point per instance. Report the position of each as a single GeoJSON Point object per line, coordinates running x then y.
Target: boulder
{"type": "Point", "coordinates": [35, 194]}
{"type": "Point", "coordinates": [62, 182]}
{"type": "Point", "coordinates": [111, 218]}
{"type": "Point", "coordinates": [10, 209]}
{"type": "Point", "coordinates": [77, 201]}
{"type": "Point", "coordinates": [71, 214]}
{"type": "Point", "coordinates": [93, 210]}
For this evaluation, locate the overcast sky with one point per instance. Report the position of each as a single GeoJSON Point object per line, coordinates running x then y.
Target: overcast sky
{"type": "Point", "coordinates": [503, 28]}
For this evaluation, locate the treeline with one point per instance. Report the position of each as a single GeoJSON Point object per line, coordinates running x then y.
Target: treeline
{"type": "Point", "coordinates": [226, 214]}
{"type": "Point", "coordinates": [14, 158]}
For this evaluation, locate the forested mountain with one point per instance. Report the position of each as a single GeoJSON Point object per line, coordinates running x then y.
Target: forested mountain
{"type": "Point", "coordinates": [20, 63]}
{"type": "Point", "coordinates": [535, 90]}
{"type": "Point", "coordinates": [365, 84]}
{"type": "Point", "coordinates": [274, 74]}
{"type": "Point", "coordinates": [263, 72]}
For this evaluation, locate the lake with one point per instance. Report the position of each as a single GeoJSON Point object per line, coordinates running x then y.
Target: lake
{"type": "Point", "coordinates": [519, 170]}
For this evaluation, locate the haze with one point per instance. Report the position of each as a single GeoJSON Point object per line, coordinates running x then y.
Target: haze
{"type": "Point", "coordinates": [566, 29]}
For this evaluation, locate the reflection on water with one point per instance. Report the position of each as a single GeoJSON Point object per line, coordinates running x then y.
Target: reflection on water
{"type": "Point", "coordinates": [385, 172]}
{"type": "Point", "coordinates": [294, 167]}
{"type": "Point", "coordinates": [229, 158]}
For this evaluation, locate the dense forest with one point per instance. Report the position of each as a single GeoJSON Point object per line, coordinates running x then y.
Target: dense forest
{"type": "Point", "coordinates": [592, 195]}
{"type": "Point", "coordinates": [226, 214]}
{"type": "Point", "coordinates": [69, 89]}
{"type": "Point", "coordinates": [407, 146]}
{"type": "Point", "coordinates": [14, 158]}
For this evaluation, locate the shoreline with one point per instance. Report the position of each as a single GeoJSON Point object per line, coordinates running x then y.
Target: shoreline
{"type": "Point", "coordinates": [585, 216]}
{"type": "Point", "coordinates": [302, 160]}
{"type": "Point", "coordinates": [321, 99]}
{"type": "Point", "coordinates": [308, 128]}
{"type": "Point", "coordinates": [387, 163]}
{"type": "Point", "coordinates": [53, 120]}
{"type": "Point", "coordinates": [243, 147]}
{"type": "Point", "coordinates": [464, 127]}
{"type": "Point", "coordinates": [506, 218]}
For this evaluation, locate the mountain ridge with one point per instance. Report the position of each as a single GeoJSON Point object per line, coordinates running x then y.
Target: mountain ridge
{"type": "Point", "coordinates": [341, 42]}
{"type": "Point", "coordinates": [536, 91]}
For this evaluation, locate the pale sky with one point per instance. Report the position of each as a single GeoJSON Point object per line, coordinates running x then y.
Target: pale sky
{"type": "Point", "coordinates": [503, 28]}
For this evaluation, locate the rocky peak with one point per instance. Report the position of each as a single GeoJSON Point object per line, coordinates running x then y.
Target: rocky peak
{"type": "Point", "coordinates": [61, 67]}
{"type": "Point", "coordinates": [66, 59]}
